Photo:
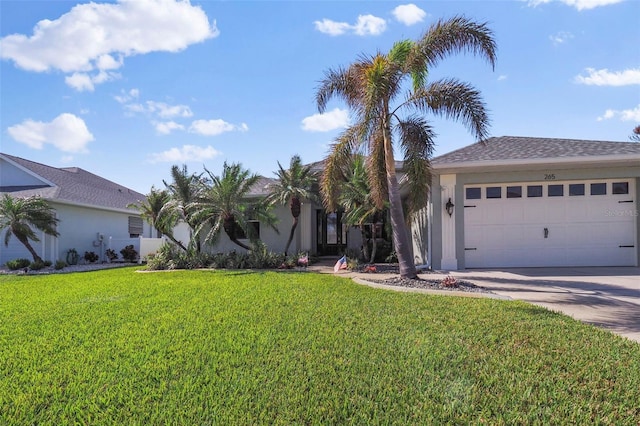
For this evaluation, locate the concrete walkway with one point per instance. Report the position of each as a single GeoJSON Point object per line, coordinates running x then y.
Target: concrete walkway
{"type": "Point", "coordinates": [607, 297]}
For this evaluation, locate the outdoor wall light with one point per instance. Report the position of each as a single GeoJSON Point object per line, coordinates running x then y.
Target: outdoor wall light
{"type": "Point", "coordinates": [449, 207]}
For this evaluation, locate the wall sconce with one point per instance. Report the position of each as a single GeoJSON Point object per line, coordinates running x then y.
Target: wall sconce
{"type": "Point", "coordinates": [449, 207]}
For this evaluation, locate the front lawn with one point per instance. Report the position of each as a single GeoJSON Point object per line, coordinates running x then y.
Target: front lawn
{"type": "Point", "coordinates": [201, 347]}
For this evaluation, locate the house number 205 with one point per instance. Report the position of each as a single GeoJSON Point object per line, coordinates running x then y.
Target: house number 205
{"type": "Point", "coordinates": [549, 176]}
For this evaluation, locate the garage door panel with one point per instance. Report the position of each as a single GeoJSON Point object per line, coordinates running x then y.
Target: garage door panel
{"type": "Point", "coordinates": [585, 230]}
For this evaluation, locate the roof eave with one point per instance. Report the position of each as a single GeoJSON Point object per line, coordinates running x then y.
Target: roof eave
{"type": "Point", "coordinates": [602, 160]}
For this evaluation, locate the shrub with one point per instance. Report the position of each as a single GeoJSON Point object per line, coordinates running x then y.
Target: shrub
{"type": "Point", "coordinates": [60, 264]}
{"type": "Point", "coordinates": [47, 263]}
{"type": "Point", "coordinates": [111, 254]}
{"type": "Point", "coordinates": [36, 265]}
{"type": "Point", "coordinates": [16, 264]}
{"type": "Point", "coordinates": [72, 257]}
{"type": "Point", "coordinates": [90, 256]}
{"type": "Point", "coordinates": [129, 254]}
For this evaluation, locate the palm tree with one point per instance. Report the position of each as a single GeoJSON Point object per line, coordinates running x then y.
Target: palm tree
{"type": "Point", "coordinates": [370, 86]}
{"type": "Point", "coordinates": [356, 200]}
{"type": "Point", "coordinates": [19, 215]}
{"type": "Point", "coordinates": [292, 186]}
{"type": "Point", "coordinates": [163, 220]}
{"type": "Point", "coordinates": [184, 189]}
{"type": "Point", "coordinates": [224, 205]}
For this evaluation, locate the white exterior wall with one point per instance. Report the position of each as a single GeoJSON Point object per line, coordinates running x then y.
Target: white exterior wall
{"type": "Point", "coordinates": [78, 228]}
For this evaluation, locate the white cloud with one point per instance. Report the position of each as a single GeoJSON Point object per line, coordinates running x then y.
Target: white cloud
{"type": "Point", "coordinates": [166, 127]}
{"type": "Point", "coordinates": [185, 154]}
{"type": "Point", "coordinates": [370, 25]}
{"type": "Point", "coordinates": [215, 127]}
{"type": "Point", "coordinates": [578, 4]}
{"type": "Point", "coordinates": [409, 14]}
{"type": "Point", "coordinates": [335, 119]}
{"type": "Point", "coordinates": [365, 25]}
{"type": "Point", "coordinates": [166, 111]}
{"type": "Point", "coordinates": [159, 109]}
{"type": "Point", "coordinates": [96, 37]}
{"type": "Point", "coordinates": [560, 37]}
{"type": "Point", "coordinates": [82, 81]}
{"type": "Point", "coordinates": [503, 77]}
{"type": "Point", "coordinates": [624, 115]}
{"type": "Point", "coordinates": [66, 132]}
{"type": "Point", "coordinates": [125, 97]}
{"type": "Point", "coordinates": [330, 27]}
{"type": "Point", "coordinates": [606, 78]}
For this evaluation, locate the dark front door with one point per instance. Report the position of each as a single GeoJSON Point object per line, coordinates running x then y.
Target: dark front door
{"type": "Point", "coordinates": [332, 234]}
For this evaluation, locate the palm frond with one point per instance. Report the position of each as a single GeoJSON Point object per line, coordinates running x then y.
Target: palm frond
{"type": "Point", "coordinates": [454, 100]}
{"type": "Point", "coordinates": [417, 141]}
{"type": "Point", "coordinates": [456, 35]}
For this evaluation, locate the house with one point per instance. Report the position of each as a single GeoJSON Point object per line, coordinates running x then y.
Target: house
{"type": "Point", "coordinates": [532, 202]}
{"type": "Point", "coordinates": [93, 211]}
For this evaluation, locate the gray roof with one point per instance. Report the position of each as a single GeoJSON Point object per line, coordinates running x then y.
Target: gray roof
{"type": "Point", "coordinates": [261, 188]}
{"type": "Point", "coordinates": [506, 148]}
{"type": "Point", "coordinates": [73, 185]}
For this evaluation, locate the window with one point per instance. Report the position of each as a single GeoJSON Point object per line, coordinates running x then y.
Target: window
{"type": "Point", "coordinates": [514, 192]}
{"type": "Point", "coordinates": [576, 189]}
{"type": "Point", "coordinates": [598, 189]}
{"type": "Point", "coordinates": [473, 193]}
{"type": "Point", "coordinates": [494, 192]}
{"type": "Point", "coordinates": [620, 188]}
{"type": "Point", "coordinates": [254, 226]}
{"type": "Point", "coordinates": [534, 191]}
{"type": "Point", "coordinates": [135, 226]}
{"type": "Point", "coordinates": [555, 190]}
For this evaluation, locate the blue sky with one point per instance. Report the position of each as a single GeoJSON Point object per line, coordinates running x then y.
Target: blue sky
{"type": "Point", "coordinates": [126, 89]}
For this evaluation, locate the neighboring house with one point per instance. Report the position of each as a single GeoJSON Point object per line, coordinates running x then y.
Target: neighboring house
{"type": "Point", "coordinates": [533, 202]}
{"type": "Point", "coordinates": [93, 211]}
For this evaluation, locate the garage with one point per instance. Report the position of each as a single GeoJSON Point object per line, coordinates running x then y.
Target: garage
{"type": "Point", "coordinates": [550, 223]}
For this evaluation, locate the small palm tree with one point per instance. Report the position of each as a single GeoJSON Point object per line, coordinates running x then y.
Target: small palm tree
{"type": "Point", "coordinates": [184, 189]}
{"type": "Point", "coordinates": [152, 210]}
{"type": "Point", "coordinates": [224, 205]}
{"type": "Point", "coordinates": [291, 187]}
{"type": "Point", "coordinates": [356, 200]}
{"type": "Point", "coordinates": [371, 88]}
{"type": "Point", "coordinates": [19, 215]}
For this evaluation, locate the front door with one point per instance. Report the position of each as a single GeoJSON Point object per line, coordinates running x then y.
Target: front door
{"type": "Point", "coordinates": [332, 234]}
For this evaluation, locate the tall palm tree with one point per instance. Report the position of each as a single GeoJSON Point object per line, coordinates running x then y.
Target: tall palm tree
{"type": "Point", "coordinates": [184, 189]}
{"type": "Point", "coordinates": [162, 220]}
{"type": "Point", "coordinates": [224, 205]}
{"type": "Point", "coordinates": [291, 187]}
{"type": "Point", "coordinates": [356, 200]}
{"type": "Point", "coordinates": [371, 87]}
{"type": "Point", "coordinates": [19, 215]}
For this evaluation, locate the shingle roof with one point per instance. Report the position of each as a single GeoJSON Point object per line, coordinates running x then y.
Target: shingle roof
{"type": "Point", "coordinates": [506, 148]}
{"type": "Point", "coordinates": [74, 185]}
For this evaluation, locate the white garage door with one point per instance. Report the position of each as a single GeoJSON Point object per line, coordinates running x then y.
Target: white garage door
{"type": "Point", "coordinates": [573, 223]}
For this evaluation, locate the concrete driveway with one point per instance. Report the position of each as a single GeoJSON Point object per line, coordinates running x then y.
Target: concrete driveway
{"type": "Point", "coordinates": [607, 297]}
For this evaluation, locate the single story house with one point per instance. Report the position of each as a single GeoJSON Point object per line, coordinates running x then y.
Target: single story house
{"type": "Point", "coordinates": [93, 211]}
{"type": "Point", "coordinates": [532, 202]}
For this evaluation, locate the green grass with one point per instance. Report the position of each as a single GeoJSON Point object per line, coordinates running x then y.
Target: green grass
{"type": "Point", "coordinates": [199, 347]}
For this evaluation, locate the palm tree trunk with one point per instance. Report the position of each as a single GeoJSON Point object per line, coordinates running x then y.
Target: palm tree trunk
{"type": "Point", "coordinates": [293, 230]}
{"type": "Point", "coordinates": [229, 224]}
{"type": "Point", "coordinates": [374, 244]}
{"type": "Point", "coordinates": [26, 243]}
{"type": "Point", "coordinates": [400, 236]}
{"type": "Point", "coordinates": [365, 243]}
{"type": "Point", "coordinates": [176, 242]}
